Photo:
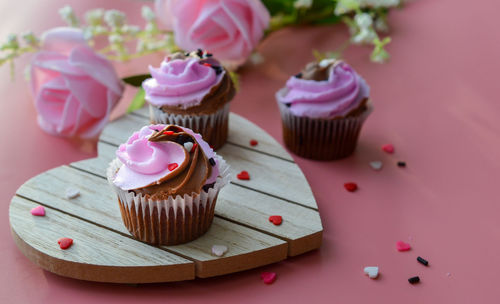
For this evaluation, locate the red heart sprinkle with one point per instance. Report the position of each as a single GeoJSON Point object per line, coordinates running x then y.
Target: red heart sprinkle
{"type": "Point", "coordinates": [268, 277]}
{"type": "Point", "coordinates": [276, 219]}
{"type": "Point", "coordinates": [168, 132]}
{"type": "Point", "coordinates": [194, 147]}
{"type": "Point", "coordinates": [402, 246]}
{"type": "Point", "coordinates": [65, 243]}
{"type": "Point", "coordinates": [207, 64]}
{"type": "Point", "coordinates": [253, 142]}
{"type": "Point", "coordinates": [243, 175]}
{"type": "Point", "coordinates": [388, 148]}
{"type": "Point", "coordinates": [172, 166]}
{"type": "Point", "coordinates": [351, 187]}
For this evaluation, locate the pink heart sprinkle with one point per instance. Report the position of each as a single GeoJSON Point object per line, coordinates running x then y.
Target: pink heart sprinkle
{"type": "Point", "coordinates": [402, 246]}
{"type": "Point", "coordinates": [38, 211]}
{"type": "Point", "coordinates": [268, 277]}
{"type": "Point", "coordinates": [388, 148]}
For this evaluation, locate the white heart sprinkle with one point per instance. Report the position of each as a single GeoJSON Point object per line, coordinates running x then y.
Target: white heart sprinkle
{"type": "Point", "coordinates": [188, 146]}
{"type": "Point", "coordinates": [219, 250]}
{"type": "Point", "coordinates": [376, 165]}
{"type": "Point", "coordinates": [372, 272]}
{"type": "Point", "coordinates": [72, 193]}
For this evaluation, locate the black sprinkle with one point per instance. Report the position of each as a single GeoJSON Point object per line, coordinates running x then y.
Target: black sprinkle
{"type": "Point", "coordinates": [208, 55]}
{"type": "Point", "coordinates": [186, 54]}
{"type": "Point", "coordinates": [288, 105]}
{"type": "Point", "coordinates": [401, 164]}
{"type": "Point", "coordinates": [199, 52]}
{"type": "Point", "coordinates": [212, 161]}
{"type": "Point", "coordinates": [299, 75]}
{"type": "Point", "coordinates": [423, 261]}
{"type": "Point", "coordinates": [217, 69]}
{"type": "Point", "coordinates": [414, 280]}
{"type": "Point", "coordinates": [181, 139]}
{"type": "Point", "coordinates": [208, 186]}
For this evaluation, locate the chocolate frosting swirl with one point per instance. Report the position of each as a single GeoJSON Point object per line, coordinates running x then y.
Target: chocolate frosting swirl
{"type": "Point", "coordinates": [191, 175]}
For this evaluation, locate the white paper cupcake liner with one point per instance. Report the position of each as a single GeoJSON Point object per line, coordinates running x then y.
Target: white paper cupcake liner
{"type": "Point", "coordinates": [322, 139]}
{"type": "Point", "coordinates": [171, 221]}
{"type": "Point", "coordinates": [212, 127]}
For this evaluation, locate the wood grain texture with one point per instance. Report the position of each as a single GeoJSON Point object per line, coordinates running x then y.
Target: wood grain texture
{"type": "Point", "coordinates": [97, 203]}
{"type": "Point", "coordinates": [97, 254]}
{"type": "Point", "coordinates": [252, 211]}
{"type": "Point", "coordinates": [277, 187]}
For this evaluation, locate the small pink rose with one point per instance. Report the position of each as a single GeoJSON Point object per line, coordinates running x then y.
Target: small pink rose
{"type": "Point", "coordinates": [230, 29]}
{"type": "Point", "coordinates": [74, 88]}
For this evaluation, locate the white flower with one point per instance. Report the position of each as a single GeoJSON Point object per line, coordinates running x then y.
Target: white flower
{"type": "Point", "coordinates": [94, 17]}
{"type": "Point", "coordinates": [114, 18]}
{"type": "Point", "coordinates": [303, 3]}
{"type": "Point", "coordinates": [150, 27]}
{"type": "Point", "coordinates": [115, 39]}
{"type": "Point", "coordinates": [346, 6]}
{"type": "Point", "coordinates": [365, 36]}
{"type": "Point", "coordinates": [68, 14]}
{"type": "Point", "coordinates": [363, 20]}
{"type": "Point", "coordinates": [147, 13]}
{"type": "Point", "coordinates": [256, 58]}
{"type": "Point", "coordinates": [88, 33]}
{"type": "Point", "coordinates": [381, 25]}
{"type": "Point", "coordinates": [130, 29]}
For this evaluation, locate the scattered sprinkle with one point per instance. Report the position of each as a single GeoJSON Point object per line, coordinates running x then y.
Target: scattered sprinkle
{"type": "Point", "coordinates": [402, 246]}
{"type": "Point", "coordinates": [212, 161]}
{"type": "Point", "coordinates": [276, 219]}
{"type": "Point", "coordinates": [298, 75]}
{"type": "Point", "coordinates": [288, 105]}
{"type": "Point", "coordinates": [188, 146]}
{"type": "Point", "coordinates": [207, 64]}
{"type": "Point", "coordinates": [172, 166]}
{"type": "Point", "coordinates": [351, 187]}
{"type": "Point", "coordinates": [376, 165]}
{"type": "Point", "coordinates": [195, 145]}
{"type": "Point", "coordinates": [243, 175]}
{"type": "Point", "coordinates": [401, 164]}
{"type": "Point", "coordinates": [414, 280]}
{"type": "Point", "coordinates": [38, 211]}
{"type": "Point", "coordinates": [72, 193]}
{"type": "Point", "coordinates": [168, 132]}
{"type": "Point", "coordinates": [219, 250]}
{"type": "Point", "coordinates": [371, 272]}
{"type": "Point", "coordinates": [253, 142]}
{"type": "Point", "coordinates": [388, 148]}
{"type": "Point", "coordinates": [268, 277]}
{"type": "Point", "coordinates": [199, 52]}
{"type": "Point", "coordinates": [65, 243]}
{"type": "Point", "coordinates": [423, 261]}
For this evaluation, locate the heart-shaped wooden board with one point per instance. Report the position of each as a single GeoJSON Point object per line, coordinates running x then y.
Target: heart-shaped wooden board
{"type": "Point", "coordinates": [104, 250]}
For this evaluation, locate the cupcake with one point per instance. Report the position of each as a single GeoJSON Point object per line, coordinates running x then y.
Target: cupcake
{"type": "Point", "coordinates": [322, 110]}
{"type": "Point", "coordinates": [191, 90]}
{"type": "Point", "coordinates": [167, 179]}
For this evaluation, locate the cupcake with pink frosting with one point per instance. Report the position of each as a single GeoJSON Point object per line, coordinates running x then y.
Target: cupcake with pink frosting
{"type": "Point", "coordinates": [323, 109]}
{"type": "Point", "coordinates": [192, 90]}
{"type": "Point", "coordinates": [167, 179]}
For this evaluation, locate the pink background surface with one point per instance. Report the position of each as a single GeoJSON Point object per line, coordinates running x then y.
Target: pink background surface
{"type": "Point", "coordinates": [436, 101]}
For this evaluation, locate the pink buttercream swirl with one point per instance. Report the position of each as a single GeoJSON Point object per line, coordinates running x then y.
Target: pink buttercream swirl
{"type": "Point", "coordinates": [180, 82]}
{"type": "Point", "coordinates": [146, 162]}
{"type": "Point", "coordinates": [342, 92]}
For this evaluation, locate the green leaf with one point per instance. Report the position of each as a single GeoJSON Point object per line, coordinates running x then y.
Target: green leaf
{"type": "Point", "coordinates": [136, 80]}
{"type": "Point", "coordinates": [138, 101]}
{"type": "Point", "coordinates": [236, 80]}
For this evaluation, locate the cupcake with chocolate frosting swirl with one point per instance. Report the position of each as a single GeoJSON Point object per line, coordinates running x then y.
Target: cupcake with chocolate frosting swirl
{"type": "Point", "coordinates": [192, 90]}
{"type": "Point", "coordinates": [322, 109]}
{"type": "Point", "coordinates": [167, 176]}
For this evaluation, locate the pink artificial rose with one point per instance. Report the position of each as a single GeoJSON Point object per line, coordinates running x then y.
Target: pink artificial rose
{"type": "Point", "coordinates": [230, 29]}
{"type": "Point", "coordinates": [74, 88]}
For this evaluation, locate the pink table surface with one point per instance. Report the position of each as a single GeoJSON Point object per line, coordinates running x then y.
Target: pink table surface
{"type": "Point", "coordinates": [436, 101]}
